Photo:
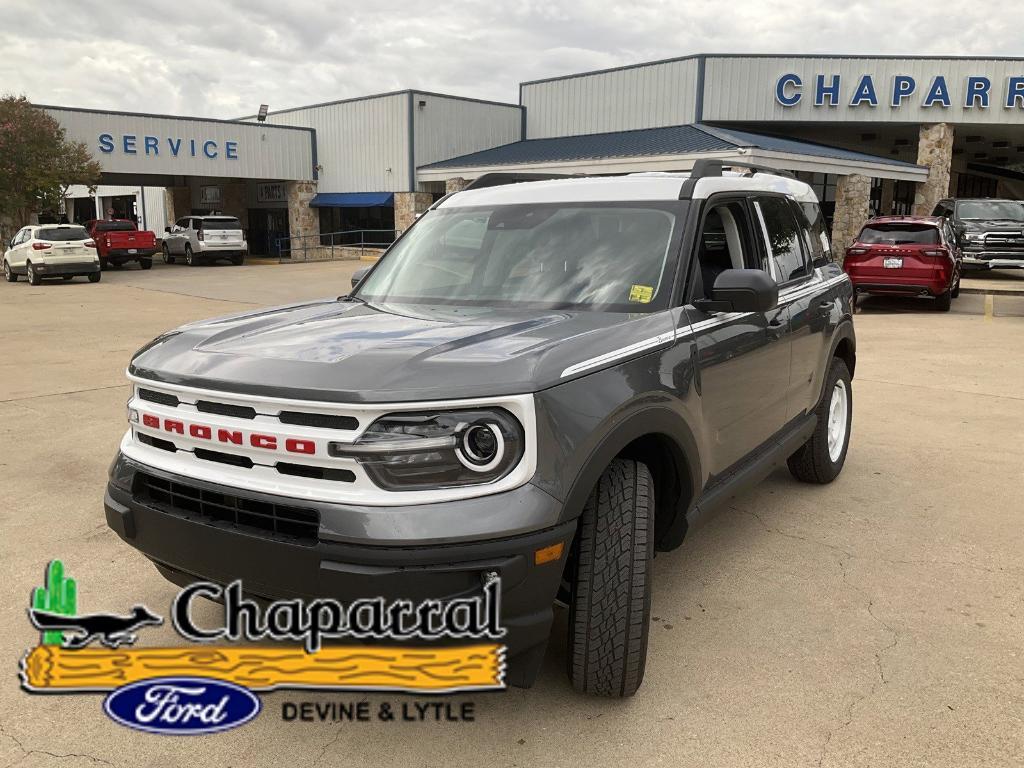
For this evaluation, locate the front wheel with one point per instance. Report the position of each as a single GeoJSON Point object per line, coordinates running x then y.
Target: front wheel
{"type": "Point", "coordinates": [31, 274]}
{"type": "Point", "coordinates": [955, 290]}
{"type": "Point", "coordinates": [189, 259]}
{"type": "Point", "coordinates": [9, 274]}
{"type": "Point", "coordinates": [168, 259]}
{"type": "Point", "coordinates": [821, 458]}
{"type": "Point", "coordinates": [610, 598]}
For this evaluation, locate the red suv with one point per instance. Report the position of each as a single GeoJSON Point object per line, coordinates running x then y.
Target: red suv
{"type": "Point", "coordinates": [908, 256]}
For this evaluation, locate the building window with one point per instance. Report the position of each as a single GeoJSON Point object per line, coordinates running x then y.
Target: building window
{"type": "Point", "coordinates": [357, 226]}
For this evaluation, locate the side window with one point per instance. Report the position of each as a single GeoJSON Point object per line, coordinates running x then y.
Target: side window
{"type": "Point", "coordinates": [724, 243]}
{"type": "Point", "coordinates": [816, 238]}
{"type": "Point", "coordinates": [24, 236]}
{"type": "Point", "coordinates": [783, 237]}
{"type": "Point", "coordinates": [182, 223]}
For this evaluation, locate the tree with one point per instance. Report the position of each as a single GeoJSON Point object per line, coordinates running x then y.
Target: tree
{"type": "Point", "coordinates": [37, 163]}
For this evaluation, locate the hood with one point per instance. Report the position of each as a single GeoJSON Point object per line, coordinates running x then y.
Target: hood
{"type": "Point", "coordinates": [350, 352]}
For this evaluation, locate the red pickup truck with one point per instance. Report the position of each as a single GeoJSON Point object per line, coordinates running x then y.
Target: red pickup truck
{"type": "Point", "coordinates": [119, 241]}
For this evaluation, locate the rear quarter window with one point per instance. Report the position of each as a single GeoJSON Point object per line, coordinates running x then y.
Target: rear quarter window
{"type": "Point", "coordinates": [900, 234]}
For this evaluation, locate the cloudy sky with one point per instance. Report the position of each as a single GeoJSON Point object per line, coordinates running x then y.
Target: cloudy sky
{"type": "Point", "coordinates": [222, 58]}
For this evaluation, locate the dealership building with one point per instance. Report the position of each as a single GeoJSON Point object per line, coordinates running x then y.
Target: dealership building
{"type": "Point", "coordinates": [871, 134]}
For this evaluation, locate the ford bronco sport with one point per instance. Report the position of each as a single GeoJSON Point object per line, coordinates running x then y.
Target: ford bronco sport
{"type": "Point", "coordinates": [547, 381]}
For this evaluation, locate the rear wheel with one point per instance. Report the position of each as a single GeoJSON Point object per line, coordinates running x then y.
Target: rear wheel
{"type": "Point", "coordinates": [68, 277]}
{"type": "Point", "coordinates": [9, 275]}
{"type": "Point", "coordinates": [821, 458]}
{"type": "Point", "coordinates": [188, 256]}
{"type": "Point", "coordinates": [31, 274]}
{"type": "Point", "coordinates": [610, 602]}
{"type": "Point", "coordinates": [94, 277]}
{"type": "Point", "coordinates": [238, 260]}
{"type": "Point", "coordinates": [168, 259]}
{"type": "Point", "coordinates": [943, 301]}
{"type": "Point", "coordinates": [104, 264]}
{"type": "Point", "coordinates": [146, 263]}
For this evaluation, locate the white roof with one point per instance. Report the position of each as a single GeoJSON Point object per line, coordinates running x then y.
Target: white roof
{"type": "Point", "coordinates": [634, 187]}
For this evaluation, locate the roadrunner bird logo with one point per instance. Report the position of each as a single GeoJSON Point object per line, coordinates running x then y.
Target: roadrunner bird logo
{"type": "Point", "coordinates": [110, 629]}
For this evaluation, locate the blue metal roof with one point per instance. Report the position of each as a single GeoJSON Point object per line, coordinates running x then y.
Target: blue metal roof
{"type": "Point", "coordinates": [673, 140]}
{"type": "Point", "coordinates": [351, 199]}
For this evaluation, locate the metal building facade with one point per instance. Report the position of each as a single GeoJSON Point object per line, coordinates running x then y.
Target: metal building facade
{"type": "Point", "coordinates": [643, 96]}
{"type": "Point", "coordinates": [156, 145]}
{"type": "Point", "coordinates": [447, 126]}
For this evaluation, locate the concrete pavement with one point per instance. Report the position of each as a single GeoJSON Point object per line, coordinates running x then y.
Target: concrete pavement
{"type": "Point", "coordinates": [877, 621]}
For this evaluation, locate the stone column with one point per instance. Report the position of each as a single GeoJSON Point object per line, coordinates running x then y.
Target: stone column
{"type": "Point", "coordinates": [303, 221]}
{"type": "Point", "coordinates": [888, 193]}
{"type": "Point", "coordinates": [934, 150]}
{"type": "Point", "coordinates": [170, 214]}
{"type": "Point", "coordinates": [407, 205]}
{"type": "Point", "coordinates": [455, 185]}
{"type": "Point", "coordinates": [853, 205]}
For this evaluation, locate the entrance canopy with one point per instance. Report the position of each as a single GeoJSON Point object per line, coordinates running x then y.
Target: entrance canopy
{"type": "Point", "coordinates": [352, 199]}
{"type": "Point", "coordinates": [673, 148]}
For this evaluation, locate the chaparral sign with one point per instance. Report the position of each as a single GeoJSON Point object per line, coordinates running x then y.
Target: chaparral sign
{"type": "Point", "coordinates": [975, 91]}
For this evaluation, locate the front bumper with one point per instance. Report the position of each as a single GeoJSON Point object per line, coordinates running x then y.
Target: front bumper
{"type": "Point", "coordinates": [989, 259]}
{"type": "Point", "coordinates": [44, 269]}
{"type": "Point", "coordinates": [186, 547]}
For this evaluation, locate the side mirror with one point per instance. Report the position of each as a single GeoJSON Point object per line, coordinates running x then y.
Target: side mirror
{"type": "Point", "coordinates": [358, 275]}
{"type": "Point", "coordinates": [741, 290]}
{"type": "Point", "coordinates": [167, 229]}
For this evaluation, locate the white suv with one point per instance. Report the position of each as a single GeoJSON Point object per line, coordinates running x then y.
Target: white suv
{"type": "Point", "coordinates": [51, 250]}
{"type": "Point", "coordinates": [205, 238]}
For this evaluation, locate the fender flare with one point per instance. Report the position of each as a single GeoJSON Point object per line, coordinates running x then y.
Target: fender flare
{"type": "Point", "coordinates": [843, 332]}
{"type": "Point", "coordinates": [648, 420]}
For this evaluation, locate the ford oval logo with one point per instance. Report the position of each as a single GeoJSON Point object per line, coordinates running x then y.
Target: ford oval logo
{"type": "Point", "coordinates": [182, 705]}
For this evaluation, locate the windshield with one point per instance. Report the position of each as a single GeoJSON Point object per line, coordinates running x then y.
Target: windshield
{"type": "Point", "coordinates": [990, 209]}
{"type": "Point", "coordinates": [220, 224]}
{"type": "Point", "coordinates": [597, 256]}
{"type": "Point", "coordinates": [115, 226]}
{"type": "Point", "coordinates": [899, 234]}
{"type": "Point", "coordinates": [57, 234]}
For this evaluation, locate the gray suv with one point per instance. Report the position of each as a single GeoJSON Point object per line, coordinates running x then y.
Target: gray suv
{"type": "Point", "coordinates": [545, 381]}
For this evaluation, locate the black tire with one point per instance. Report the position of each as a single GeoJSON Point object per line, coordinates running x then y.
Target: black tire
{"type": "Point", "coordinates": [238, 260]}
{"type": "Point", "coordinates": [610, 602]}
{"type": "Point", "coordinates": [943, 302]}
{"type": "Point", "coordinates": [94, 277]}
{"type": "Point", "coordinates": [9, 274]}
{"type": "Point", "coordinates": [812, 463]}
{"type": "Point", "coordinates": [104, 264]}
{"type": "Point", "coordinates": [188, 256]}
{"type": "Point", "coordinates": [168, 259]}
{"type": "Point", "coordinates": [31, 275]}
{"type": "Point", "coordinates": [146, 263]}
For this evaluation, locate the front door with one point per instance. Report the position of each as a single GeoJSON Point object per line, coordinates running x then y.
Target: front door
{"type": "Point", "coordinates": [742, 359]}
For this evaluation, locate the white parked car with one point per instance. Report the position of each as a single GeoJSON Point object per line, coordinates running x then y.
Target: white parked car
{"type": "Point", "coordinates": [205, 238]}
{"type": "Point", "coordinates": [51, 250]}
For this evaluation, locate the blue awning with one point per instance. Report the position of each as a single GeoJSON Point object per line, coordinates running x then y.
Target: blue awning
{"type": "Point", "coordinates": [352, 199]}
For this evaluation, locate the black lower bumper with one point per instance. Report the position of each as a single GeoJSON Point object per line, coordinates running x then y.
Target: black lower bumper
{"type": "Point", "coordinates": [186, 549]}
{"type": "Point", "coordinates": [64, 270]}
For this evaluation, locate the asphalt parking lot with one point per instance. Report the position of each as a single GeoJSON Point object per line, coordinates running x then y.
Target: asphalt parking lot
{"type": "Point", "coordinates": [877, 621]}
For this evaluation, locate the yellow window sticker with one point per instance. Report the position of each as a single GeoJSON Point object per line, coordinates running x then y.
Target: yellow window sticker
{"type": "Point", "coordinates": [641, 293]}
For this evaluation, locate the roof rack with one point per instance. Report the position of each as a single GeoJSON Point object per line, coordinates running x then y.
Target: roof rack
{"type": "Point", "coordinates": [712, 167]}
{"type": "Point", "coordinates": [501, 179]}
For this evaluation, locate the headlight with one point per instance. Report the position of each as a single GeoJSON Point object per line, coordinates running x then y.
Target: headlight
{"type": "Point", "coordinates": [974, 237]}
{"type": "Point", "coordinates": [439, 449]}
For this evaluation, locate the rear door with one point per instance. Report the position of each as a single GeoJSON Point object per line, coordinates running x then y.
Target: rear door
{"type": "Point", "coordinates": [222, 231]}
{"type": "Point", "coordinates": [67, 243]}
